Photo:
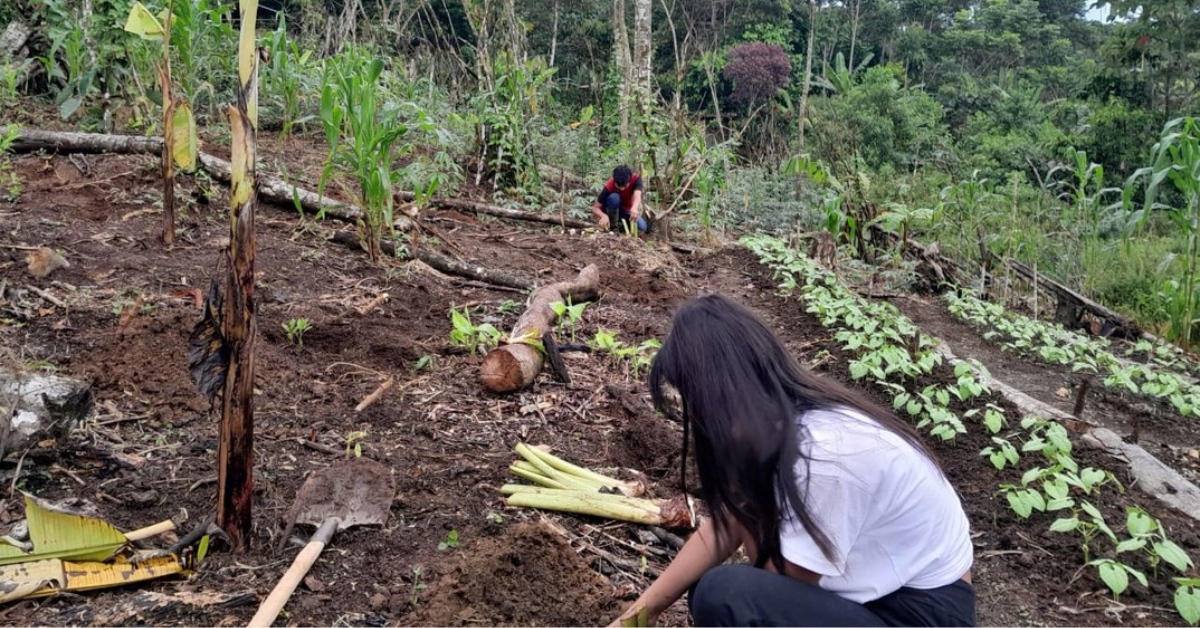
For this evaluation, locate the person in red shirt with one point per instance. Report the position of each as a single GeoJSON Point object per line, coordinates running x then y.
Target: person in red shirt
{"type": "Point", "coordinates": [620, 196]}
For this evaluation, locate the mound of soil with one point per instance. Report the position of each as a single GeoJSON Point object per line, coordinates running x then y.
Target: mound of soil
{"type": "Point", "coordinates": [527, 576]}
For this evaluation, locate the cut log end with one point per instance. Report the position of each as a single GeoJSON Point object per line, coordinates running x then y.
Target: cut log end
{"type": "Point", "coordinates": [501, 371]}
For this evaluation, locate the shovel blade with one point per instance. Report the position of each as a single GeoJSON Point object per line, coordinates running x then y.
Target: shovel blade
{"type": "Point", "coordinates": [358, 492]}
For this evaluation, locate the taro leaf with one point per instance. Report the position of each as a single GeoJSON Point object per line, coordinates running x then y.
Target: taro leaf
{"type": "Point", "coordinates": [208, 352]}
{"type": "Point", "coordinates": [183, 137]}
{"type": "Point", "coordinates": [142, 23]}
{"type": "Point", "coordinates": [63, 535]}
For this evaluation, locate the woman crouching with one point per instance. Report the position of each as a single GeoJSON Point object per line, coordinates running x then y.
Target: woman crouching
{"type": "Point", "coordinates": [844, 513]}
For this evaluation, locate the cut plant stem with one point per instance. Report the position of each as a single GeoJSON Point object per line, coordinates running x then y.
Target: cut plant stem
{"type": "Point", "coordinates": [673, 513]}
{"type": "Point", "coordinates": [565, 480]}
{"type": "Point", "coordinates": [538, 478]}
{"type": "Point", "coordinates": [542, 459]}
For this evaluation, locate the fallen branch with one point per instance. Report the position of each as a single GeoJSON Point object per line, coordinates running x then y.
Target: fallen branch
{"type": "Point", "coordinates": [441, 263]}
{"type": "Point", "coordinates": [476, 207]}
{"type": "Point", "coordinates": [514, 366]}
{"type": "Point", "coordinates": [271, 187]}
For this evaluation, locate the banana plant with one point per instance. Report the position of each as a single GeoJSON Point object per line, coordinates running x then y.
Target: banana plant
{"type": "Point", "coordinates": [179, 125]}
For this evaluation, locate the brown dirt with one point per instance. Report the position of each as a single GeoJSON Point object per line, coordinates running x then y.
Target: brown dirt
{"type": "Point", "coordinates": [147, 452]}
{"type": "Point", "coordinates": [528, 575]}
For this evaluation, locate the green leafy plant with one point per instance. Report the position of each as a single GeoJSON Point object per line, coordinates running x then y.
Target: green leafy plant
{"type": "Point", "coordinates": [569, 314]}
{"type": "Point", "coordinates": [295, 329]}
{"type": "Point", "coordinates": [362, 137]}
{"type": "Point", "coordinates": [451, 541]}
{"type": "Point", "coordinates": [508, 307]}
{"type": "Point", "coordinates": [354, 441]}
{"type": "Point", "coordinates": [476, 338]}
{"type": "Point", "coordinates": [1115, 575]}
{"type": "Point", "coordinates": [1088, 526]}
{"type": "Point", "coordinates": [1187, 599]}
{"type": "Point", "coordinates": [8, 176]}
{"type": "Point", "coordinates": [287, 76]}
{"type": "Point", "coordinates": [1001, 453]}
{"type": "Point", "coordinates": [417, 585]}
{"type": "Point", "coordinates": [1176, 164]}
{"type": "Point", "coordinates": [1147, 535]}
{"type": "Point", "coordinates": [424, 363]}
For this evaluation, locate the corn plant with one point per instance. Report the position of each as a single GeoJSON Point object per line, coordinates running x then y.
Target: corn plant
{"type": "Point", "coordinates": [1176, 167]}
{"type": "Point", "coordinates": [287, 72]}
{"type": "Point", "coordinates": [362, 137]}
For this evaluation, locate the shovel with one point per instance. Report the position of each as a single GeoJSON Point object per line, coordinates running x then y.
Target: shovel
{"type": "Point", "coordinates": [358, 492]}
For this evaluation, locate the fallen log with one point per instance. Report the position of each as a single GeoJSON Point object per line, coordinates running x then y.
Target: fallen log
{"type": "Point", "coordinates": [476, 207]}
{"type": "Point", "coordinates": [514, 366]}
{"type": "Point", "coordinates": [271, 187]}
{"type": "Point", "coordinates": [29, 140]}
{"type": "Point", "coordinates": [442, 263]}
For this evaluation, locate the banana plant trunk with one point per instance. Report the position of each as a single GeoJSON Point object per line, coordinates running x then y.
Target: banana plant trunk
{"type": "Point", "coordinates": [168, 161]}
{"type": "Point", "coordinates": [235, 475]}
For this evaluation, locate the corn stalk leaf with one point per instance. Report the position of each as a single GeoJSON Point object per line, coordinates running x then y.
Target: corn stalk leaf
{"type": "Point", "coordinates": [61, 535]}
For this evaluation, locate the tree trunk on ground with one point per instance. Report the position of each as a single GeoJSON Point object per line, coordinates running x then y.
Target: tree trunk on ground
{"type": "Point", "coordinates": [29, 140]}
{"type": "Point", "coordinates": [442, 263]}
{"type": "Point", "coordinates": [808, 55]}
{"type": "Point", "coordinates": [475, 207]}
{"type": "Point", "coordinates": [515, 366]}
{"type": "Point", "coordinates": [235, 472]}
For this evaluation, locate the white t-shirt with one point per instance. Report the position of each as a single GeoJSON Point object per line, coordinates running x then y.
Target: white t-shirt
{"type": "Point", "coordinates": [892, 517]}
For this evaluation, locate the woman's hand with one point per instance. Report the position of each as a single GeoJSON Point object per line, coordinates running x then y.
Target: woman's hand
{"type": "Point", "coordinates": [631, 613]}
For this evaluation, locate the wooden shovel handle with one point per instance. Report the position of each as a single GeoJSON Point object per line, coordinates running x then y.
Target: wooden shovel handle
{"type": "Point", "coordinates": [291, 578]}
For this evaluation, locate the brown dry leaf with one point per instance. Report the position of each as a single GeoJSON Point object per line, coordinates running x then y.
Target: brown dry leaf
{"type": "Point", "coordinates": [1063, 392]}
{"type": "Point", "coordinates": [44, 261]}
{"type": "Point", "coordinates": [140, 212]}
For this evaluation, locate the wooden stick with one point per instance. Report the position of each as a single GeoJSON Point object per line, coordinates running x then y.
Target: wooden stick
{"type": "Point", "coordinates": [373, 397]}
{"type": "Point", "coordinates": [291, 579]}
{"type": "Point", "coordinates": [376, 302]}
{"type": "Point", "coordinates": [1081, 397]}
{"type": "Point", "coordinates": [47, 296]}
{"type": "Point", "coordinates": [161, 527]}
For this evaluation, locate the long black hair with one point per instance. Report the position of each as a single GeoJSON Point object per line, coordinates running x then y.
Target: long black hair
{"type": "Point", "coordinates": [742, 393]}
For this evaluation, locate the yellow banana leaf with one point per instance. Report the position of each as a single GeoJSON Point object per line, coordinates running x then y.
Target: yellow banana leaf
{"type": "Point", "coordinates": [46, 577]}
{"type": "Point", "coordinates": [60, 535]}
{"type": "Point", "coordinates": [183, 137]}
{"type": "Point", "coordinates": [142, 22]}
{"type": "Point", "coordinates": [27, 579]}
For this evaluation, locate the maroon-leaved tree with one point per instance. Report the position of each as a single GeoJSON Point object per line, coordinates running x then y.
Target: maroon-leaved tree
{"type": "Point", "coordinates": [758, 71]}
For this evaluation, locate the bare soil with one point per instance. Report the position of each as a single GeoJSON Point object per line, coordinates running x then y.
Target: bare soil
{"type": "Point", "coordinates": [147, 452]}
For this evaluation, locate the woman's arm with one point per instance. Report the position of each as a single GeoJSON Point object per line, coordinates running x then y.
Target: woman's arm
{"type": "Point", "coordinates": [702, 552]}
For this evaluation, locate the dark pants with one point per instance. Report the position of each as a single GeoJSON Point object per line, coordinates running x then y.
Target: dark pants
{"type": "Point", "coordinates": [743, 595]}
{"type": "Point", "coordinates": [612, 207]}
